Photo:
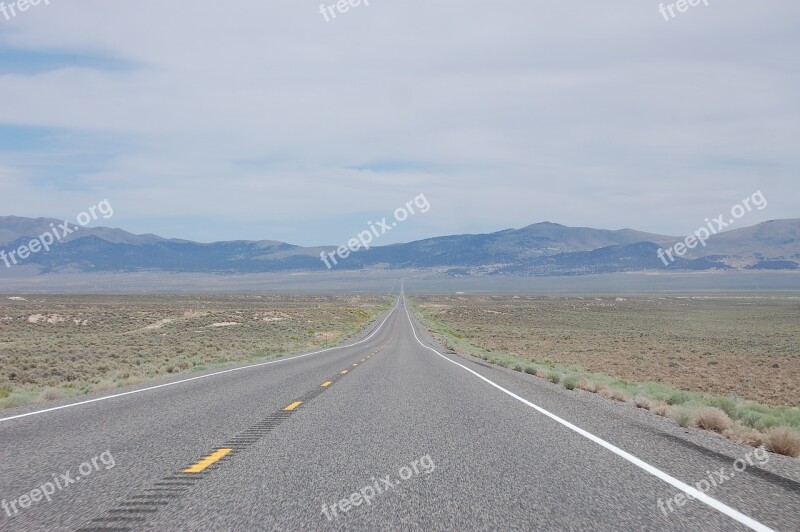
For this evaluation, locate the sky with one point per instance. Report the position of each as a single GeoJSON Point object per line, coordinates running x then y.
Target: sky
{"type": "Point", "coordinates": [263, 120]}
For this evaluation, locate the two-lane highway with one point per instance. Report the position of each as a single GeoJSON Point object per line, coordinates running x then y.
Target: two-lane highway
{"type": "Point", "coordinates": [386, 433]}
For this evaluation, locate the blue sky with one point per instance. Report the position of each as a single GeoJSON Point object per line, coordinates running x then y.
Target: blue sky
{"type": "Point", "coordinates": [244, 121]}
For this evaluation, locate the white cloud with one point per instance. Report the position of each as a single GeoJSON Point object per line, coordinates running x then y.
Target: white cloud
{"type": "Point", "coordinates": [512, 112]}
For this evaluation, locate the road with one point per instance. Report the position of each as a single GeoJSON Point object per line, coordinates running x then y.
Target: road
{"type": "Point", "coordinates": [412, 436]}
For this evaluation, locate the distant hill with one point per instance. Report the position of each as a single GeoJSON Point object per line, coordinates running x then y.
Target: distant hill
{"type": "Point", "coordinates": [14, 228]}
{"type": "Point", "coordinates": [776, 238]}
{"type": "Point", "coordinates": [539, 249]}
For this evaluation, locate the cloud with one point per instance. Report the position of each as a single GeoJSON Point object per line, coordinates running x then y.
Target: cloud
{"type": "Point", "coordinates": [267, 120]}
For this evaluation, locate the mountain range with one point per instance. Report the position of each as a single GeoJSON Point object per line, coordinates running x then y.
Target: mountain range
{"type": "Point", "coordinates": [539, 249]}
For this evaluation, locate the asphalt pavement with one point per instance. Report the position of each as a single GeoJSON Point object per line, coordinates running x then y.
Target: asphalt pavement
{"type": "Point", "coordinates": [388, 432]}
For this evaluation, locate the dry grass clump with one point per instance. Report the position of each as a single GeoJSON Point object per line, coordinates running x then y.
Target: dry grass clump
{"type": "Point", "coordinates": [713, 419]}
{"type": "Point", "coordinates": [50, 394]}
{"type": "Point", "coordinates": [589, 386]}
{"type": "Point", "coordinates": [642, 402]}
{"type": "Point", "coordinates": [104, 385]}
{"type": "Point", "coordinates": [741, 434]}
{"type": "Point", "coordinates": [783, 440]}
{"type": "Point", "coordinates": [682, 417]}
{"type": "Point", "coordinates": [660, 408]}
{"type": "Point", "coordinates": [541, 373]}
{"type": "Point", "coordinates": [611, 393]}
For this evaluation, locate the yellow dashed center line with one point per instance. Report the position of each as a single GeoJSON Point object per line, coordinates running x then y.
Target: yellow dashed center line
{"type": "Point", "coordinates": [219, 454]}
{"type": "Point", "coordinates": [208, 461]}
{"type": "Point", "coordinates": [294, 405]}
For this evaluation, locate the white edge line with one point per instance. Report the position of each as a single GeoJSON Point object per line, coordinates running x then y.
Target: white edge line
{"type": "Point", "coordinates": [201, 376]}
{"type": "Point", "coordinates": [717, 505]}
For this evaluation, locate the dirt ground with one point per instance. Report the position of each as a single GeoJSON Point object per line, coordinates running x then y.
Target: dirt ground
{"type": "Point", "coordinates": [721, 345]}
{"type": "Point", "coordinates": [52, 346]}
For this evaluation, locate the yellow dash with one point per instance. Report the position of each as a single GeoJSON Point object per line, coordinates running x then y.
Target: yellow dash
{"type": "Point", "coordinates": [294, 405]}
{"type": "Point", "coordinates": [356, 364]}
{"type": "Point", "coordinates": [208, 461]}
{"type": "Point", "coordinates": [363, 360]}
{"type": "Point", "coordinates": [326, 384]}
{"type": "Point", "coordinates": [343, 372]}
